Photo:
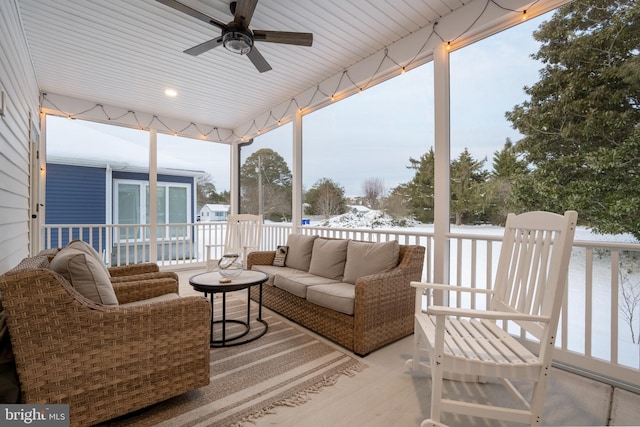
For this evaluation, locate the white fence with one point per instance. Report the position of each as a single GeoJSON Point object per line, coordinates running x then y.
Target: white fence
{"type": "Point", "coordinates": [601, 314]}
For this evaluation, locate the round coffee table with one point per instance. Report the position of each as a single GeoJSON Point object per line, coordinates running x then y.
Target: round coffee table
{"type": "Point", "coordinates": [209, 283]}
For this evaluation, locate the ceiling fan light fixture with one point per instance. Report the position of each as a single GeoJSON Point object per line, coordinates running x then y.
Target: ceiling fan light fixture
{"type": "Point", "coordinates": [237, 41]}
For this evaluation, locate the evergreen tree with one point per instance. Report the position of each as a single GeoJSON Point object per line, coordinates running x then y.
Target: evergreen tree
{"type": "Point", "coordinates": [506, 162]}
{"type": "Point", "coordinates": [325, 198]}
{"type": "Point", "coordinates": [581, 123]}
{"type": "Point", "coordinates": [507, 168]}
{"type": "Point", "coordinates": [468, 189]}
{"type": "Point", "coordinates": [420, 190]}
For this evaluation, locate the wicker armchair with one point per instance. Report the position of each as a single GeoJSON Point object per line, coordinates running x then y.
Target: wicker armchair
{"type": "Point", "coordinates": [104, 361]}
{"type": "Point", "coordinates": [140, 271]}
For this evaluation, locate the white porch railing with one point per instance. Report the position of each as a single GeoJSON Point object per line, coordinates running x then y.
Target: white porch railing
{"type": "Point", "coordinates": [594, 334]}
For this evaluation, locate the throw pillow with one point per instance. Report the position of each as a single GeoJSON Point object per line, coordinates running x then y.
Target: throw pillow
{"type": "Point", "coordinates": [281, 256]}
{"type": "Point", "coordinates": [87, 249]}
{"type": "Point", "coordinates": [85, 274]}
{"type": "Point", "coordinates": [364, 259]}
{"type": "Point", "coordinates": [299, 254]}
{"type": "Point", "coordinates": [328, 258]}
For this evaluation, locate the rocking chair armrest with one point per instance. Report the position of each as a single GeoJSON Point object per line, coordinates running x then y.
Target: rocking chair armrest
{"type": "Point", "coordinates": [484, 314]}
{"type": "Point", "coordinates": [451, 288]}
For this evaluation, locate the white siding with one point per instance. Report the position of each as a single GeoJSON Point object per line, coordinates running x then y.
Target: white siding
{"type": "Point", "coordinates": [18, 82]}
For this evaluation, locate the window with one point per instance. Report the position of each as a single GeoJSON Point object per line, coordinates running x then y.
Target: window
{"type": "Point", "coordinates": [172, 205]}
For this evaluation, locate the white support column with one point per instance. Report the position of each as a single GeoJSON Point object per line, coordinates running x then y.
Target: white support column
{"type": "Point", "coordinates": [296, 187]}
{"type": "Point", "coordinates": [442, 152]}
{"type": "Point", "coordinates": [153, 196]}
{"type": "Point", "coordinates": [234, 169]}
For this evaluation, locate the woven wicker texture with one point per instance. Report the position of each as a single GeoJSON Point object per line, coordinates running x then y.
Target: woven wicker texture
{"type": "Point", "coordinates": [103, 361]}
{"type": "Point", "coordinates": [384, 304]}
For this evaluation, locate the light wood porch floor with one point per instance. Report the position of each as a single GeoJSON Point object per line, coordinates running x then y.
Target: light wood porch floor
{"type": "Point", "coordinates": [386, 394]}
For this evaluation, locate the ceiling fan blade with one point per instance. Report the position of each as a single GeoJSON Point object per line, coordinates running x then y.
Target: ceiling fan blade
{"type": "Point", "coordinates": [203, 47]}
{"type": "Point", "coordinates": [192, 12]}
{"type": "Point", "coordinates": [258, 60]}
{"type": "Point", "coordinates": [300, 39]}
{"type": "Point", "coordinates": [244, 12]}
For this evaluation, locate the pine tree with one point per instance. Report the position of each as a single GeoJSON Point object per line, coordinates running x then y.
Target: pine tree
{"type": "Point", "coordinates": [581, 123]}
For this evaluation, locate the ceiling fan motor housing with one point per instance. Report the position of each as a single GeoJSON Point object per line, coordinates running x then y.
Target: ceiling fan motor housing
{"type": "Point", "coordinates": [237, 40]}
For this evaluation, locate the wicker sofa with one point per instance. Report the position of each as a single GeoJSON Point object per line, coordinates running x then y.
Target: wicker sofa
{"type": "Point", "coordinates": [317, 297]}
{"type": "Point", "coordinates": [104, 360]}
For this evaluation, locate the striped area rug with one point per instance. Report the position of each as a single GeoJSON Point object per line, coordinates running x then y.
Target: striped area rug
{"type": "Point", "coordinates": [281, 368]}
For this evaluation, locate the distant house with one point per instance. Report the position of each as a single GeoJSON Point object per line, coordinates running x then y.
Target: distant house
{"type": "Point", "coordinates": [214, 212]}
{"type": "Point", "coordinates": [102, 187]}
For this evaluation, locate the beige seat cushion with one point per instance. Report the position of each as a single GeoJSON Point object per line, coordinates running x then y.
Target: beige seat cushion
{"type": "Point", "coordinates": [364, 259]}
{"type": "Point", "coordinates": [297, 284]}
{"type": "Point", "coordinates": [300, 249]}
{"type": "Point", "coordinates": [328, 258]}
{"type": "Point", "coordinates": [165, 297]}
{"type": "Point", "coordinates": [336, 296]}
{"type": "Point", "coordinates": [85, 274]}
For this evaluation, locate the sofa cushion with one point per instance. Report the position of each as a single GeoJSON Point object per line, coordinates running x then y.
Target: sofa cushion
{"type": "Point", "coordinates": [85, 274]}
{"type": "Point", "coordinates": [272, 270]}
{"type": "Point", "coordinates": [297, 284]}
{"type": "Point", "coordinates": [328, 258]}
{"type": "Point", "coordinates": [300, 249]}
{"type": "Point", "coordinates": [364, 259]}
{"type": "Point", "coordinates": [87, 249]}
{"type": "Point", "coordinates": [336, 296]}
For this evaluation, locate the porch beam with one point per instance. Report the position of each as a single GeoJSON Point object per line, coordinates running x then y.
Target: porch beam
{"type": "Point", "coordinates": [474, 21]}
{"type": "Point", "coordinates": [74, 108]}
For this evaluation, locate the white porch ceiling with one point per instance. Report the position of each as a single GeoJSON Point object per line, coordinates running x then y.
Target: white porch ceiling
{"type": "Point", "coordinates": [125, 53]}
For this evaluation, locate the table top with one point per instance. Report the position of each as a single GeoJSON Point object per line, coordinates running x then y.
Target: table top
{"type": "Point", "coordinates": [210, 282]}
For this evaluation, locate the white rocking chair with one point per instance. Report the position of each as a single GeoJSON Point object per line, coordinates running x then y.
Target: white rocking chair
{"type": "Point", "coordinates": [529, 288]}
{"type": "Point", "coordinates": [242, 236]}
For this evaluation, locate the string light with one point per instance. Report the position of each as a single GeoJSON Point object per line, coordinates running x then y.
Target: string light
{"type": "Point", "coordinates": [337, 94]}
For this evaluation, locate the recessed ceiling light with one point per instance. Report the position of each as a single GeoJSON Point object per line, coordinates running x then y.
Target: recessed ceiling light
{"type": "Point", "coordinates": [170, 92]}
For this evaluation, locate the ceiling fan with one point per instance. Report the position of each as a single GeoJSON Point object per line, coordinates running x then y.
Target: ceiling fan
{"type": "Point", "coordinates": [236, 36]}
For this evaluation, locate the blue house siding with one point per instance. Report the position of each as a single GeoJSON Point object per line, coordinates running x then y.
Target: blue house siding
{"type": "Point", "coordinates": [75, 195]}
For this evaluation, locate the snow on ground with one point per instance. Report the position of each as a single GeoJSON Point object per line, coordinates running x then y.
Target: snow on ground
{"type": "Point", "coordinates": [378, 220]}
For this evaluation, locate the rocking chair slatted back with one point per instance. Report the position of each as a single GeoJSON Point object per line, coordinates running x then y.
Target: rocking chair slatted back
{"type": "Point", "coordinates": [243, 235]}
{"type": "Point", "coordinates": [527, 279]}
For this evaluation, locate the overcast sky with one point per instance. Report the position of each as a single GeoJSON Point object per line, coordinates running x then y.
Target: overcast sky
{"type": "Point", "coordinates": [373, 134]}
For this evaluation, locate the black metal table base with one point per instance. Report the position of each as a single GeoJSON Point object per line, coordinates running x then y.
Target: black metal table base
{"type": "Point", "coordinates": [228, 341]}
